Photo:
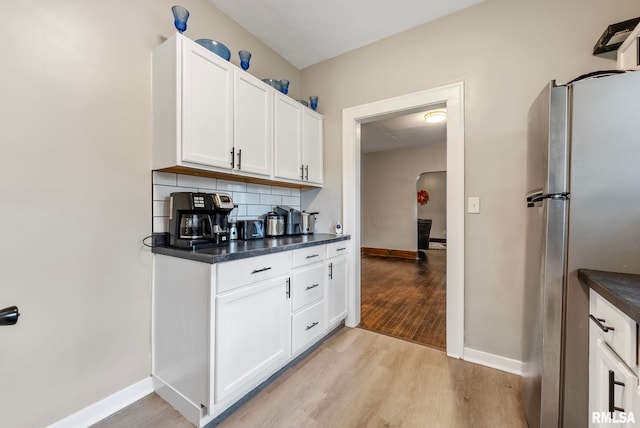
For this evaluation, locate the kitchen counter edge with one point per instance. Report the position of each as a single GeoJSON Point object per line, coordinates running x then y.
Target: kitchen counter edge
{"type": "Point", "coordinates": [253, 248]}
{"type": "Point", "coordinates": [621, 289]}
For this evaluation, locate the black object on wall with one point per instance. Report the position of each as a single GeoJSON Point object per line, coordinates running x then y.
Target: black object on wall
{"type": "Point", "coordinates": [9, 316]}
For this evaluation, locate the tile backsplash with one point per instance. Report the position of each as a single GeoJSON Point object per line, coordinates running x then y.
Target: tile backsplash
{"type": "Point", "coordinates": [252, 200]}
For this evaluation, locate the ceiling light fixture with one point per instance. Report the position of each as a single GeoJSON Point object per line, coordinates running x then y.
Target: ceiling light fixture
{"type": "Point", "coordinates": [436, 116]}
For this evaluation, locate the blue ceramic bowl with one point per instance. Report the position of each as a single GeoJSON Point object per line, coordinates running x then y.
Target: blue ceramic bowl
{"type": "Point", "coordinates": [274, 83]}
{"type": "Point", "coordinates": [215, 47]}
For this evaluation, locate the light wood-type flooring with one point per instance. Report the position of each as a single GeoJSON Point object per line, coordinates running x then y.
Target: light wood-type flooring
{"type": "Point", "coordinates": [406, 298]}
{"type": "Point", "coordinates": [358, 378]}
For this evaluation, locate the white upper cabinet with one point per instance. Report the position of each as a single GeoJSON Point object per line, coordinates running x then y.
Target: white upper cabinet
{"type": "Point", "coordinates": [253, 136]}
{"type": "Point", "coordinates": [192, 92]}
{"type": "Point", "coordinates": [288, 134]}
{"type": "Point", "coordinates": [207, 126]}
{"type": "Point", "coordinates": [312, 146]}
{"type": "Point", "coordinates": [298, 142]}
{"type": "Point", "coordinates": [210, 115]}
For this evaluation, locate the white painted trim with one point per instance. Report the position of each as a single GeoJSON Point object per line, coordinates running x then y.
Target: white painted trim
{"type": "Point", "coordinates": [498, 362]}
{"type": "Point", "coordinates": [352, 117]}
{"type": "Point", "coordinates": [107, 406]}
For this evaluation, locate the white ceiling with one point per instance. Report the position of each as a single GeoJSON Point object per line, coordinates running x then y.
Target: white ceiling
{"type": "Point", "coordinates": [401, 131]}
{"type": "Point", "coordinates": [306, 32]}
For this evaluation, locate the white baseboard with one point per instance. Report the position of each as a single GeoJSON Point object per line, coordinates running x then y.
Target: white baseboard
{"type": "Point", "coordinates": [107, 406]}
{"type": "Point", "coordinates": [494, 361]}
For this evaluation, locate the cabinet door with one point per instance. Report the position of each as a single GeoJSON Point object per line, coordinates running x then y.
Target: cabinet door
{"type": "Point", "coordinates": [288, 135]}
{"type": "Point", "coordinates": [252, 124]}
{"type": "Point", "coordinates": [253, 336]}
{"type": "Point", "coordinates": [612, 387]}
{"type": "Point", "coordinates": [312, 146]}
{"type": "Point", "coordinates": [337, 290]}
{"type": "Point", "coordinates": [207, 124]}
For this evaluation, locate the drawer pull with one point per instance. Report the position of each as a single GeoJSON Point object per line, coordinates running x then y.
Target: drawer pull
{"type": "Point", "coordinates": [612, 384]}
{"type": "Point", "coordinates": [260, 270]}
{"type": "Point", "coordinates": [599, 323]}
{"type": "Point", "coordinates": [341, 249]}
{"type": "Point", "coordinates": [312, 256]}
{"type": "Point", "coordinates": [309, 287]}
{"type": "Point", "coordinates": [309, 327]}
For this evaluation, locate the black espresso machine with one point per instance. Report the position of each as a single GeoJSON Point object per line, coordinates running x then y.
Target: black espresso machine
{"type": "Point", "coordinates": [199, 220]}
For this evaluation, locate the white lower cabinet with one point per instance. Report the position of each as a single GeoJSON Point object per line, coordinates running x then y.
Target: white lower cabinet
{"type": "Point", "coordinates": [337, 290]}
{"type": "Point", "coordinates": [308, 284]}
{"type": "Point", "coordinates": [181, 336]}
{"type": "Point", "coordinates": [252, 336]}
{"type": "Point", "coordinates": [337, 271]}
{"type": "Point", "coordinates": [221, 330]}
{"type": "Point", "coordinates": [613, 384]}
{"type": "Point", "coordinates": [307, 324]}
{"type": "Point", "coordinates": [612, 389]}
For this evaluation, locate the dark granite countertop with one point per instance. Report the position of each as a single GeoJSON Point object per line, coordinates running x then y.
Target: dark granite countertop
{"type": "Point", "coordinates": [621, 289]}
{"type": "Point", "coordinates": [243, 249]}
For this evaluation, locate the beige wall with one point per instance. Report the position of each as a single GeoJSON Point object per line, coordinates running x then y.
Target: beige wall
{"type": "Point", "coordinates": [76, 189]}
{"type": "Point", "coordinates": [389, 204]}
{"type": "Point", "coordinates": [504, 51]}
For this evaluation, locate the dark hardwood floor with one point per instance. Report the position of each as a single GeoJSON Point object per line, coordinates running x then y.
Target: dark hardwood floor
{"type": "Point", "coordinates": [406, 298]}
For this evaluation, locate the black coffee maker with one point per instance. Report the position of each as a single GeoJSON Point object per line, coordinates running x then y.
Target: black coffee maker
{"type": "Point", "coordinates": [223, 205]}
{"type": "Point", "coordinates": [195, 222]}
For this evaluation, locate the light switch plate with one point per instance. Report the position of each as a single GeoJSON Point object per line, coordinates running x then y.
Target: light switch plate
{"type": "Point", "coordinates": [473, 205]}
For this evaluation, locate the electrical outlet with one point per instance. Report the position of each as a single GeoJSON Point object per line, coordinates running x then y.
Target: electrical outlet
{"type": "Point", "coordinates": [473, 205]}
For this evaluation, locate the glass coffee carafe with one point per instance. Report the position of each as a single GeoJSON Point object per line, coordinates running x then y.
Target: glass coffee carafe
{"type": "Point", "coordinates": [195, 226]}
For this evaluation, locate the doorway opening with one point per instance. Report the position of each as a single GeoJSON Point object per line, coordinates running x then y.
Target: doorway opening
{"type": "Point", "coordinates": [452, 96]}
{"type": "Point", "coordinates": [403, 282]}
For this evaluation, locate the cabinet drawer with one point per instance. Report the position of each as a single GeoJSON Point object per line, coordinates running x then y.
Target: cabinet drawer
{"type": "Point", "coordinates": [307, 285]}
{"type": "Point", "coordinates": [308, 255]}
{"type": "Point", "coordinates": [621, 334]}
{"type": "Point", "coordinates": [339, 248]}
{"type": "Point", "coordinates": [307, 325]}
{"type": "Point", "coordinates": [238, 273]}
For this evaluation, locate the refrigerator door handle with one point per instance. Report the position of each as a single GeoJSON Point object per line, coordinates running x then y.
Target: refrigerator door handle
{"type": "Point", "coordinates": [535, 198]}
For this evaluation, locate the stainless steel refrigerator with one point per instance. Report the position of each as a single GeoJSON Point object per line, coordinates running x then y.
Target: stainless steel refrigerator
{"type": "Point", "coordinates": [583, 180]}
